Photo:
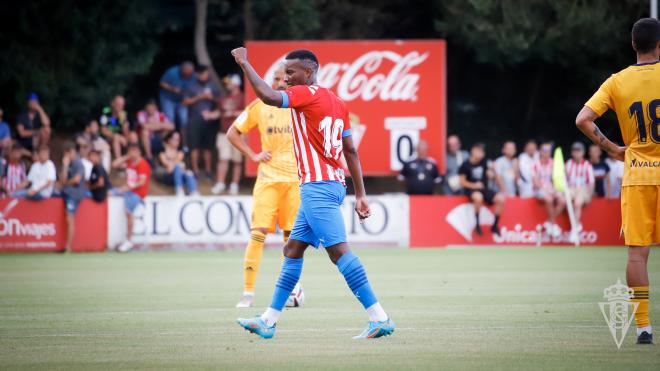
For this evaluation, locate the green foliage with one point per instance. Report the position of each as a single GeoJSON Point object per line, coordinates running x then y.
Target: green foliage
{"type": "Point", "coordinates": [286, 19]}
{"type": "Point", "coordinates": [510, 32]}
{"type": "Point", "coordinates": [75, 54]}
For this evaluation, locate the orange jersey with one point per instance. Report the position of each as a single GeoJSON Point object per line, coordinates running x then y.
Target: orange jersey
{"type": "Point", "coordinates": [634, 94]}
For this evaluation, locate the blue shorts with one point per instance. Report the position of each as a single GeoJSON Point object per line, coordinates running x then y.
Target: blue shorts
{"type": "Point", "coordinates": [131, 201]}
{"type": "Point", "coordinates": [71, 204]}
{"type": "Point", "coordinates": [319, 219]}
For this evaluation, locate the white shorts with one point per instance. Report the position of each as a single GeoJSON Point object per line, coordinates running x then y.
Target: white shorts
{"type": "Point", "coordinates": [226, 151]}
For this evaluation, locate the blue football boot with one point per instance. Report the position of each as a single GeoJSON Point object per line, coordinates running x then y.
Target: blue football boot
{"type": "Point", "coordinates": [257, 326]}
{"type": "Point", "coordinates": [377, 329]}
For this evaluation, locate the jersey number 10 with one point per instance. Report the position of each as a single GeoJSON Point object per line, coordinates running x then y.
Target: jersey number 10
{"type": "Point", "coordinates": [332, 131]}
{"type": "Point", "coordinates": [636, 110]}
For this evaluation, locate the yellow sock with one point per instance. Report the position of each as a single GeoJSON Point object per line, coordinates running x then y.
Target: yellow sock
{"type": "Point", "coordinates": [641, 296]}
{"type": "Point", "coordinates": [253, 254]}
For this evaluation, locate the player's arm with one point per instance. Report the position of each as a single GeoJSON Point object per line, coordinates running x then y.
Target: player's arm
{"type": "Point", "coordinates": [237, 141]}
{"type": "Point", "coordinates": [353, 164]}
{"type": "Point", "coordinates": [267, 94]}
{"type": "Point", "coordinates": [585, 121]}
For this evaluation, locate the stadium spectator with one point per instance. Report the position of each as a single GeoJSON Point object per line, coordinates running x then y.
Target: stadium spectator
{"type": "Point", "coordinates": [230, 107]}
{"type": "Point", "coordinates": [99, 181]}
{"type": "Point", "coordinates": [115, 126]}
{"type": "Point", "coordinates": [421, 174]}
{"type": "Point", "coordinates": [601, 170]}
{"type": "Point", "coordinates": [474, 176]}
{"type": "Point", "coordinates": [92, 135]}
{"type": "Point", "coordinates": [83, 151]}
{"type": "Point", "coordinates": [545, 190]}
{"type": "Point", "coordinates": [615, 177]}
{"type": "Point", "coordinates": [138, 175]}
{"type": "Point", "coordinates": [5, 135]}
{"type": "Point", "coordinates": [152, 125]}
{"type": "Point", "coordinates": [455, 158]}
{"type": "Point", "coordinates": [526, 162]}
{"type": "Point", "coordinates": [580, 179]}
{"type": "Point", "coordinates": [41, 178]}
{"type": "Point", "coordinates": [506, 170]}
{"type": "Point", "coordinates": [13, 171]}
{"type": "Point", "coordinates": [74, 188]}
{"type": "Point", "coordinates": [172, 85]}
{"type": "Point", "coordinates": [172, 159]}
{"type": "Point", "coordinates": [33, 125]}
{"type": "Point", "coordinates": [200, 96]}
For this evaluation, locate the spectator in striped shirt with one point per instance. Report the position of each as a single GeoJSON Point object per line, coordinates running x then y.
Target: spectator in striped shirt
{"type": "Point", "coordinates": [545, 191]}
{"type": "Point", "coordinates": [580, 178]}
{"type": "Point", "coordinates": [14, 172]}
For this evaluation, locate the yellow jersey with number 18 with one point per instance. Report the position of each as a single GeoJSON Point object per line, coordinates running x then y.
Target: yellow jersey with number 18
{"type": "Point", "coordinates": [634, 94]}
{"type": "Point", "coordinates": [275, 131]}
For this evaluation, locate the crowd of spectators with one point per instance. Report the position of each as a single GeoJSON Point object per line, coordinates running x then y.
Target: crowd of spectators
{"type": "Point", "coordinates": [525, 175]}
{"type": "Point", "coordinates": [174, 137]}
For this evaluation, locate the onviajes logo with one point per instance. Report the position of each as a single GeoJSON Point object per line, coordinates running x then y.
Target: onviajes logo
{"type": "Point", "coordinates": [618, 310]}
{"type": "Point", "coordinates": [12, 227]}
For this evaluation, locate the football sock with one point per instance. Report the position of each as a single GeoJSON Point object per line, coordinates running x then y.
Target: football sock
{"type": "Point", "coordinates": [353, 271]}
{"type": "Point", "coordinates": [252, 260]}
{"type": "Point", "coordinates": [270, 316]}
{"type": "Point", "coordinates": [289, 276]}
{"type": "Point", "coordinates": [641, 296]}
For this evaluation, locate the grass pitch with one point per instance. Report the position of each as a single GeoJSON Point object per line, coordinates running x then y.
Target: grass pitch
{"type": "Point", "coordinates": [476, 308]}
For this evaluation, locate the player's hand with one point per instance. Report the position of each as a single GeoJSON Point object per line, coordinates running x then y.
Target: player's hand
{"type": "Point", "coordinates": [362, 208]}
{"type": "Point", "coordinates": [619, 153]}
{"type": "Point", "coordinates": [240, 55]}
{"type": "Point", "coordinates": [262, 157]}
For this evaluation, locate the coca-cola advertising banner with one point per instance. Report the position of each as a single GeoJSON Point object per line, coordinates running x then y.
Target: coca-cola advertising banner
{"type": "Point", "coordinates": [37, 226]}
{"type": "Point", "coordinates": [442, 221]}
{"type": "Point", "coordinates": [395, 91]}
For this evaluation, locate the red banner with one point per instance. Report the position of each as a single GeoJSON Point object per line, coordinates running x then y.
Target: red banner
{"type": "Point", "coordinates": [395, 91]}
{"type": "Point", "coordinates": [37, 226]}
{"type": "Point", "coordinates": [441, 221]}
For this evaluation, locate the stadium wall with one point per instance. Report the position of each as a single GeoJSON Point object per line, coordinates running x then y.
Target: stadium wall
{"type": "Point", "coordinates": [223, 222]}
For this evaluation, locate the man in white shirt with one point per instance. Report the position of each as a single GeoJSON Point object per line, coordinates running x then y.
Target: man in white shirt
{"type": "Point", "coordinates": [41, 178]}
{"type": "Point", "coordinates": [525, 169]}
{"type": "Point", "coordinates": [506, 170]}
{"type": "Point", "coordinates": [615, 175]}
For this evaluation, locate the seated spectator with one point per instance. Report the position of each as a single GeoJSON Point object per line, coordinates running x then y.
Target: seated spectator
{"type": "Point", "coordinates": [474, 174]}
{"type": "Point", "coordinates": [455, 158]}
{"type": "Point", "coordinates": [172, 85]}
{"type": "Point", "coordinates": [526, 162]}
{"type": "Point", "coordinates": [5, 136]}
{"type": "Point", "coordinates": [421, 174]}
{"type": "Point", "coordinates": [83, 152]}
{"type": "Point", "coordinates": [601, 170]}
{"type": "Point", "coordinates": [506, 170]}
{"type": "Point", "coordinates": [580, 179]}
{"type": "Point", "coordinates": [545, 190]}
{"type": "Point", "coordinates": [115, 126]}
{"type": "Point", "coordinates": [33, 125]}
{"type": "Point", "coordinates": [99, 181]}
{"type": "Point", "coordinates": [40, 179]}
{"type": "Point", "coordinates": [92, 135]}
{"type": "Point", "coordinates": [74, 188]}
{"type": "Point", "coordinates": [14, 174]}
{"type": "Point", "coordinates": [138, 176]}
{"type": "Point", "coordinates": [172, 160]}
{"type": "Point", "coordinates": [152, 125]}
{"type": "Point", "coordinates": [615, 177]}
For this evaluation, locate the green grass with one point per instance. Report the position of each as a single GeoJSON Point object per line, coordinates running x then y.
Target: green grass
{"type": "Point", "coordinates": [486, 308]}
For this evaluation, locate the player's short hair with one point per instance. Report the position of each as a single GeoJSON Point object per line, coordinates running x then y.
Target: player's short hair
{"type": "Point", "coordinates": [646, 34]}
{"type": "Point", "coordinates": [304, 55]}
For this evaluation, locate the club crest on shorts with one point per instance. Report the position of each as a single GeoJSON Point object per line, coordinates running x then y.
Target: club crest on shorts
{"type": "Point", "coordinates": [618, 311]}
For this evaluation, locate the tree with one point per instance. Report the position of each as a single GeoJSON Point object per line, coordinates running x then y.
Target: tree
{"type": "Point", "coordinates": [201, 50]}
{"type": "Point", "coordinates": [75, 54]}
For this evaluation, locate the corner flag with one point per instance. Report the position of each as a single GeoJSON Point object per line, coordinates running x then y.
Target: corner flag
{"type": "Point", "coordinates": [558, 171]}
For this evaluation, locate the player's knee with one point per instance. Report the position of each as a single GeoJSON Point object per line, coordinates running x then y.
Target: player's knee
{"type": "Point", "coordinates": [638, 254]}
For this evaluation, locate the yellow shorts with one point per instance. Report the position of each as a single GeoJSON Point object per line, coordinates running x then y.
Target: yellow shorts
{"type": "Point", "coordinates": [275, 203]}
{"type": "Point", "coordinates": [640, 214]}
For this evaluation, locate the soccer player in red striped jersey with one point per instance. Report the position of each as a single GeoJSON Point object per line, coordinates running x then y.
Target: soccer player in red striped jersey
{"type": "Point", "coordinates": [321, 133]}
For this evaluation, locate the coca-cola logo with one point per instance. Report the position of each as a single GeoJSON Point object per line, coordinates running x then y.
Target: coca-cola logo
{"type": "Point", "coordinates": [381, 74]}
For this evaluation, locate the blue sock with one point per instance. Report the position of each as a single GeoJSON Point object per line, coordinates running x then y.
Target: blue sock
{"type": "Point", "coordinates": [350, 266]}
{"type": "Point", "coordinates": [289, 276]}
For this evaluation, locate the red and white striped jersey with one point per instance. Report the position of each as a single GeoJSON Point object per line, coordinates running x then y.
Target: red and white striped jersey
{"type": "Point", "coordinates": [320, 122]}
{"type": "Point", "coordinates": [14, 175]}
{"type": "Point", "coordinates": [579, 174]}
{"type": "Point", "coordinates": [543, 172]}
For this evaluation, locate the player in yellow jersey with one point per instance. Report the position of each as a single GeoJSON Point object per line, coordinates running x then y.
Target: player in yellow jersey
{"type": "Point", "coordinates": [634, 94]}
{"type": "Point", "coordinates": [276, 193]}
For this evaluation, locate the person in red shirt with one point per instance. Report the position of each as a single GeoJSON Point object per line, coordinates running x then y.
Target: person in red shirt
{"type": "Point", "coordinates": [138, 176]}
